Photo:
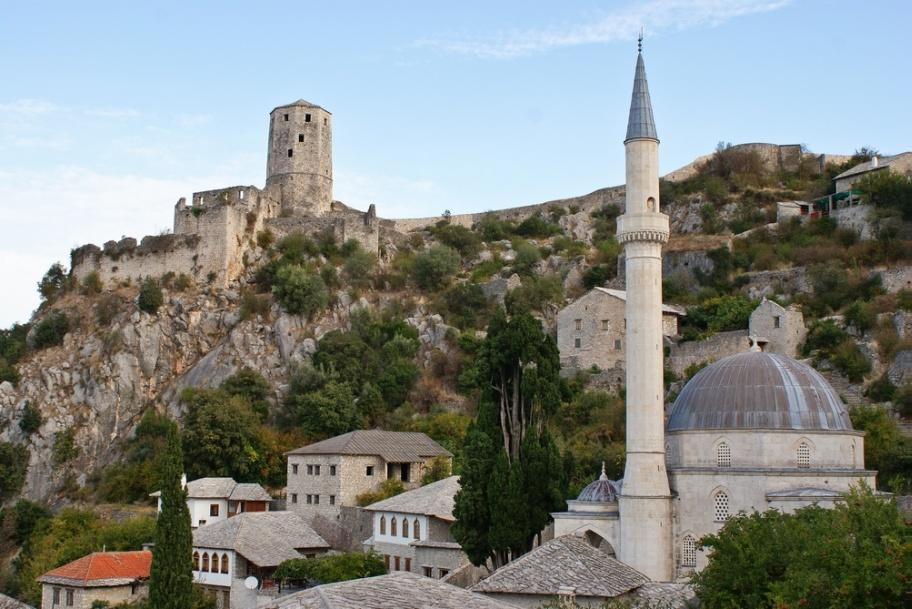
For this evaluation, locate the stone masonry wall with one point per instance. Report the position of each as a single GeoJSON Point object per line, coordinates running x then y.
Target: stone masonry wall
{"type": "Point", "coordinates": [713, 348]}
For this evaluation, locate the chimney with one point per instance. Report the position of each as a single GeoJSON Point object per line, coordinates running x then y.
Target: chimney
{"type": "Point", "coordinates": [874, 161]}
{"type": "Point", "coordinates": [183, 480]}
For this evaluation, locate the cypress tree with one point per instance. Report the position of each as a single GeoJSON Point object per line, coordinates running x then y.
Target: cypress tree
{"type": "Point", "coordinates": [171, 581]}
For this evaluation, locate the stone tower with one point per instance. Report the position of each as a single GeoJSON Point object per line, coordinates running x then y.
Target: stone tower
{"type": "Point", "coordinates": [299, 161]}
{"type": "Point", "coordinates": [645, 500]}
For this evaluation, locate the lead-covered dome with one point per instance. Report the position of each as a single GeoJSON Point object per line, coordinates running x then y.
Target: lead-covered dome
{"type": "Point", "coordinates": [756, 390]}
{"type": "Point", "coordinates": [600, 491]}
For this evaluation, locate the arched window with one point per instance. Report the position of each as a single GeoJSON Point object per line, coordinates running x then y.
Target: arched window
{"type": "Point", "coordinates": [722, 509]}
{"type": "Point", "coordinates": [405, 527]}
{"type": "Point", "coordinates": [804, 455]}
{"type": "Point", "coordinates": [416, 529]}
{"type": "Point", "coordinates": [224, 563]}
{"type": "Point", "coordinates": [214, 567]}
{"type": "Point", "coordinates": [688, 551]}
{"type": "Point", "coordinates": [393, 528]}
{"type": "Point", "coordinates": [196, 561]}
{"type": "Point", "coordinates": [651, 204]}
{"type": "Point", "coordinates": [723, 455]}
{"type": "Point", "coordinates": [383, 525]}
{"type": "Point", "coordinates": [205, 561]}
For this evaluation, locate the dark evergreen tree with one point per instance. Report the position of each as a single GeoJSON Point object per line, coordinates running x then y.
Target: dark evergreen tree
{"type": "Point", "coordinates": [171, 583]}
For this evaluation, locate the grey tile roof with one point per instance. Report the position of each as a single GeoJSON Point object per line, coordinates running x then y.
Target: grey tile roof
{"type": "Point", "coordinates": [670, 595]}
{"type": "Point", "coordinates": [249, 491]}
{"type": "Point", "coordinates": [8, 602]}
{"type": "Point", "coordinates": [883, 161]}
{"type": "Point", "coordinates": [391, 446]}
{"type": "Point", "coordinates": [640, 123]}
{"type": "Point", "coordinates": [567, 561]}
{"type": "Point", "coordinates": [435, 499]}
{"type": "Point", "coordinates": [622, 294]}
{"type": "Point", "coordinates": [223, 488]}
{"type": "Point", "coordinates": [397, 590]}
{"type": "Point", "coordinates": [263, 538]}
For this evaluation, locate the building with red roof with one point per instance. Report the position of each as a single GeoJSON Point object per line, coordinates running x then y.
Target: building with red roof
{"type": "Point", "coordinates": [112, 577]}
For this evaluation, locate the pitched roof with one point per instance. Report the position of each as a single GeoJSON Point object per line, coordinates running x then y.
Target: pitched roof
{"type": "Point", "coordinates": [622, 294]}
{"type": "Point", "coordinates": [394, 446]}
{"type": "Point", "coordinates": [102, 569]}
{"type": "Point", "coordinates": [264, 538]}
{"type": "Point", "coordinates": [882, 161]}
{"type": "Point", "coordinates": [224, 488]}
{"type": "Point", "coordinates": [435, 499]}
{"type": "Point", "coordinates": [641, 122]}
{"type": "Point", "coordinates": [249, 491]}
{"type": "Point", "coordinates": [564, 562]}
{"type": "Point", "coordinates": [396, 590]}
{"type": "Point", "coordinates": [8, 602]}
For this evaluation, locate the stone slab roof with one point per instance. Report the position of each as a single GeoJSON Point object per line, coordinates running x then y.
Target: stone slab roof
{"type": "Point", "coordinates": [391, 446]}
{"type": "Point", "coordinates": [670, 595]}
{"type": "Point", "coordinates": [249, 491]}
{"type": "Point", "coordinates": [397, 590]}
{"type": "Point", "coordinates": [564, 562]}
{"type": "Point", "coordinates": [622, 294]}
{"type": "Point", "coordinates": [223, 488]}
{"type": "Point", "coordinates": [883, 161]}
{"type": "Point", "coordinates": [102, 569]}
{"type": "Point", "coordinates": [436, 499]}
{"type": "Point", "coordinates": [8, 602]}
{"type": "Point", "coordinates": [805, 493]}
{"type": "Point", "coordinates": [264, 538]}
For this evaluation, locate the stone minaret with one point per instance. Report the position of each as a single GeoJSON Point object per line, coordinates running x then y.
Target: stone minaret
{"type": "Point", "coordinates": [299, 159]}
{"type": "Point", "coordinates": [645, 500]}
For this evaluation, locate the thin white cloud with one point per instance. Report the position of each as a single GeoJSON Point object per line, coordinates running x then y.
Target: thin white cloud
{"type": "Point", "coordinates": [27, 107]}
{"type": "Point", "coordinates": [624, 24]}
{"type": "Point", "coordinates": [113, 112]}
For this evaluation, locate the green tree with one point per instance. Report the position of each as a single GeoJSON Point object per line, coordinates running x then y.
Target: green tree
{"type": "Point", "coordinates": [171, 582]}
{"type": "Point", "coordinates": [53, 283]}
{"type": "Point", "coordinates": [49, 332]}
{"type": "Point", "coordinates": [31, 419]}
{"type": "Point", "coordinates": [13, 465]}
{"type": "Point", "coordinates": [333, 568]}
{"type": "Point", "coordinates": [438, 470]}
{"type": "Point", "coordinates": [250, 385]}
{"type": "Point", "coordinates": [327, 411]}
{"type": "Point", "coordinates": [150, 296]}
{"type": "Point", "coordinates": [359, 266]}
{"type": "Point", "coordinates": [300, 292]}
{"type": "Point", "coordinates": [888, 189]}
{"type": "Point", "coordinates": [434, 267]}
{"type": "Point", "coordinates": [857, 555]}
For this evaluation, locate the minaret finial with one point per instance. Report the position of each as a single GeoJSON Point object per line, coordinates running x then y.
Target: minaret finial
{"type": "Point", "coordinates": [640, 41]}
{"type": "Point", "coordinates": [604, 476]}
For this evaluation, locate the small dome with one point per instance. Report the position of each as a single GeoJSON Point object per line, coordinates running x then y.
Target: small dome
{"type": "Point", "coordinates": [756, 390]}
{"type": "Point", "coordinates": [602, 490]}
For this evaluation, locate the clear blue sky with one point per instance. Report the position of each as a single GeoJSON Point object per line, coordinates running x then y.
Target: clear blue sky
{"type": "Point", "coordinates": [109, 112]}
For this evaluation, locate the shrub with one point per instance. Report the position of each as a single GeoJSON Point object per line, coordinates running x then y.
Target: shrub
{"type": "Point", "coordinates": [31, 419]}
{"type": "Point", "coordinates": [50, 331]}
{"type": "Point", "coordinates": [463, 240]}
{"type": "Point", "coordinates": [296, 248]}
{"type": "Point", "coordinates": [65, 448]}
{"type": "Point", "coordinates": [299, 292]}
{"type": "Point", "coordinates": [91, 284]}
{"type": "Point", "coordinates": [53, 283]}
{"type": "Point", "coordinates": [492, 228]}
{"type": "Point", "coordinates": [253, 304]}
{"type": "Point", "coordinates": [881, 390]}
{"type": "Point", "coordinates": [464, 306]}
{"type": "Point", "coordinates": [888, 189]}
{"type": "Point", "coordinates": [182, 282]}
{"type": "Point", "coordinates": [438, 469]}
{"type": "Point", "coordinates": [527, 256]}
{"type": "Point", "coordinates": [150, 296]}
{"type": "Point", "coordinates": [14, 460]}
{"type": "Point", "coordinates": [487, 268]}
{"type": "Point", "coordinates": [902, 400]}
{"type": "Point", "coordinates": [598, 275]}
{"type": "Point", "coordinates": [721, 314]}
{"type": "Point", "coordinates": [536, 226]}
{"type": "Point", "coordinates": [535, 294]}
{"type": "Point", "coordinates": [359, 266]}
{"type": "Point", "coordinates": [265, 238]}
{"type": "Point", "coordinates": [860, 315]}
{"type": "Point", "coordinates": [331, 568]}
{"type": "Point", "coordinates": [388, 488]}
{"type": "Point", "coordinates": [107, 307]}
{"type": "Point", "coordinates": [849, 360]}
{"type": "Point", "coordinates": [434, 267]}
{"type": "Point", "coordinates": [824, 336]}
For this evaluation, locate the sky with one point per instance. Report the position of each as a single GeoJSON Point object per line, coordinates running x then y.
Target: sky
{"type": "Point", "coordinates": [112, 111]}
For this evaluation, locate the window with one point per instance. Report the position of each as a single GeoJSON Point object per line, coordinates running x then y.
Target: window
{"type": "Point", "coordinates": [308, 499]}
{"type": "Point", "coordinates": [306, 118]}
{"type": "Point", "coordinates": [579, 324]}
{"type": "Point", "coordinates": [405, 527]}
{"type": "Point", "coordinates": [776, 321]}
{"type": "Point", "coordinates": [650, 204]}
{"type": "Point", "coordinates": [416, 529]}
{"type": "Point", "coordinates": [404, 471]}
{"type": "Point", "coordinates": [201, 523]}
{"type": "Point", "coordinates": [429, 571]}
{"type": "Point", "coordinates": [396, 561]}
{"type": "Point", "coordinates": [290, 152]}
{"type": "Point", "coordinates": [196, 561]}
{"type": "Point", "coordinates": [286, 117]}
{"type": "Point", "coordinates": [723, 455]}
{"type": "Point", "coordinates": [408, 564]}
{"type": "Point", "coordinates": [617, 344]}
{"type": "Point", "coordinates": [224, 563]}
{"type": "Point", "coordinates": [577, 342]}
{"type": "Point", "coordinates": [316, 470]}
{"type": "Point", "coordinates": [443, 572]}
{"type": "Point", "coordinates": [369, 471]}
{"type": "Point", "coordinates": [294, 497]}
{"type": "Point", "coordinates": [383, 525]}
{"type": "Point", "coordinates": [69, 598]}
{"type": "Point", "coordinates": [56, 596]}
{"type": "Point", "coordinates": [393, 528]}
{"type": "Point", "coordinates": [205, 561]}
{"type": "Point", "coordinates": [214, 566]}
{"type": "Point", "coordinates": [316, 500]}
{"type": "Point", "coordinates": [721, 507]}
{"type": "Point", "coordinates": [300, 137]}
{"type": "Point", "coordinates": [325, 121]}
{"type": "Point", "coordinates": [294, 469]}
{"type": "Point", "coordinates": [332, 470]}
{"type": "Point", "coordinates": [310, 470]}
{"type": "Point", "coordinates": [606, 325]}
{"type": "Point", "coordinates": [625, 324]}
{"type": "Point", "coordinates": [332, 500]}
{"type": "Point", "coordinates": [804, 455]}
{"type": "Point", "coordinates": [688, 552]}
{"type": "Point", "coordinates": [214, 509]}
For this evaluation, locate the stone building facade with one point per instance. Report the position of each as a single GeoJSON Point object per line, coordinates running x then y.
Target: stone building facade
{"type": "Point", "coordinates": [899, 163]}
{"type": "Point", "coordinates": [100, 577]}
{"type": "Point", "coordinates": [590, 330]}
{"type": "Point", "coordinates": [777, 329]}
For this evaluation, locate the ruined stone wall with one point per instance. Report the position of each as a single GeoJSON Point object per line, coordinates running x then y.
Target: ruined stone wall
{"type": "Point", "coordinates": [713, 348]}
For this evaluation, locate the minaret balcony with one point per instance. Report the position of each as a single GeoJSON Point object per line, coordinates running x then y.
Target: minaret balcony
{"type": "Point", "coordinates": [647, 226]}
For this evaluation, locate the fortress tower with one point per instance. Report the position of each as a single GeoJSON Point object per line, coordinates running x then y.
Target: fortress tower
{"type": "Point", "coordinates": [299, 160]}
{"type": "Point", "coordinates": [645, 500]}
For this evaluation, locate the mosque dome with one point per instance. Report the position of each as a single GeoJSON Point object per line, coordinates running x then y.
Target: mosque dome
{"type": "Point", "coordinates": [756, 390]}
{"type": "Point", "coordinates": [602, 490]}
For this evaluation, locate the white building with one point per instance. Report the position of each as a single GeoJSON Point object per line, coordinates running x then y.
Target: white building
{"type": "Point", "coordinates": [212, 500]}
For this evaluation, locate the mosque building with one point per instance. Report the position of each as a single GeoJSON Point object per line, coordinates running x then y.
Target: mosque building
{"type": "Point", "coordinates": [752, 431]}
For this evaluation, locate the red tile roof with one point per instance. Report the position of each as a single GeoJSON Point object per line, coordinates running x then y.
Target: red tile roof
{"type": "Point", "coordinates": [103, 568]}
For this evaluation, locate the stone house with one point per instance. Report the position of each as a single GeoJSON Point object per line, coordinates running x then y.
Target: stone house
{"type": "Point", "coordinates": [777, 329]}
{"type": "Point", "coordinates": [108, 577]}
{"type": "Point", "coordinates": [412, 530]}
{"type": "Point", "coordinates": [251, 544]}
{"type": "Point", "coordinates": [590, 330]}
{"type": "Point", "coordinates": [212, 500]}
{"type": "Point", "coordinates": [327, 475]}
{"type": "Point", "coordinates": [900, 163]}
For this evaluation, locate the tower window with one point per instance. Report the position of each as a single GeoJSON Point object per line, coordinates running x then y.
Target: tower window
{"type": "Point", "coordinates": [650, 204]}
{"type": "Point", "coordinates": [306, 118]}
{"type": "Point", "coordinates": [617, 344]}
{"type": "Point", "coordinates": [688, 552]}
{"type": "Point", "coordinates": [776, 321]}
{"type": "Point", "coordinates": [579, 324]}
{"type": "Point", "coordinates": [721, 507]}
{"type": "Point", "coordinates": [804, 455]}
{"type": "Point", "coordinates": [290, 152]}
{"type": "Point", "coordinates": [300, 137]}
{"type": "Point", "coordinates": [325, 121]}
{"type": "Point", "coordinates": [606, 325]}
{"type": "Point", "coordinates": [577, 342]}
{"type": "Point", "coordinates": [723, 455]}
{"type": "Point", "coordinates": [286, 117]}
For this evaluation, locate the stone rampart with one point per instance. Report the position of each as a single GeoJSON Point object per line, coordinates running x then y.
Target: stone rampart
{"type": "Point", "coordinates": [709, 350]}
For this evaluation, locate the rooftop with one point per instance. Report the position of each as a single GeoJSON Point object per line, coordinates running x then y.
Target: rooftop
{"type": "Point", "coordinates": [564, 562]}
{"type": "Point", "coordinates": [391, 446]}
{"type": "Point", "coordinates": [396, 590]}
{"type": "Point", "coordinates": [264, 538]}
{"type": "Point", "coordinates": [224, 488]}
{"type": "Point", "coordinates": [622, 294]}
{"type": "Point", "coordinates": [301, 102]}
{"type": "Point", "coordinates": [641, 124]}
{"type": "Point", "coordinates": [8, 602]}
{"type": "Point", "coordinates": [100, 569]}
{"type": "Point", "coordinates": [874, 163]}
{"type": "Point", "coordinates": [435, 499]}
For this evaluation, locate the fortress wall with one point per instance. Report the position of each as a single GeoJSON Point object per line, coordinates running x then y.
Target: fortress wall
{"type": "Point", "coordinates": [124, 261]}
{"type": "Point", "coordinates": [713, 348]}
